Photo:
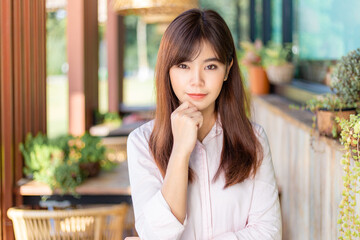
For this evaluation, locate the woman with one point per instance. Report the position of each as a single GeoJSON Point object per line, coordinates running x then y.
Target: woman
{"type": "Point", "coordinates": [201, 169]}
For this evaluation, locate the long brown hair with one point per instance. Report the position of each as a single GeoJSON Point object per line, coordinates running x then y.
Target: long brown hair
{"type": "Point", "coordinates": [241, 153]}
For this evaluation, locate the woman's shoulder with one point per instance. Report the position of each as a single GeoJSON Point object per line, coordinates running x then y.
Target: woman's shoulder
{"type": "Point", "coordinates": [143, 132]}
{"type": "Point", "coordinates": [260, 134]}
{"type": "Point", "coordinates": [258, 129]}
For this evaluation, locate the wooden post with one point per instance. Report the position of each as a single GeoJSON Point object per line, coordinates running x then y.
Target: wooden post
{"type": "Point", "coordinates": [115, 37]}
{"type": "Point", "coordinates": [22, 92]}
{"type": "Point", "coordinates": [83, 58]}
{"type": "Point", "coordinates": [6, 114]}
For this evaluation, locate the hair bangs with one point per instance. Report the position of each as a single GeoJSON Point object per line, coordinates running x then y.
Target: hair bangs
{"type": "Point", "coordinates": [187, 49]}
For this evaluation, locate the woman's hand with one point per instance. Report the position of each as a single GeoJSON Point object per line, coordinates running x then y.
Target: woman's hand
{"type": "Point", "coordinates": [185, 122]}
{"type": "Point", "coordinates": [132, 238]}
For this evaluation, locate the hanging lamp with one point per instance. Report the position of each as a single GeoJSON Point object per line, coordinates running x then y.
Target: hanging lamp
{"type": "Point", "coordinates": [158, 18]}
{"type": "Point", "coordinates": [153, 7]}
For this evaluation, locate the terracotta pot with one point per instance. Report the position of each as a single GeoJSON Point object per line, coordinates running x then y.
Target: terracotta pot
{"type": "Point", "coordinates": [326, 119]}
{"type": "Point", "coordinates": [313, 70]}
{"type": "Point", "coordinates": [90, 169]}
{"type": "Point", "coordinates": [280, 74]}
{"type": "Point", "coordinates": [259, 84]}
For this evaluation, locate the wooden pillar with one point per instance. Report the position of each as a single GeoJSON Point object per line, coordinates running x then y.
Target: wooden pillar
{"type": "Point", "coordinates": [22, 92]}
{"type": "Point", "coordinates": [83, 58]}
{"type": "Point", "coordinates": [6, 109]}
{"type": "Point", "coordinates": [115, 37]}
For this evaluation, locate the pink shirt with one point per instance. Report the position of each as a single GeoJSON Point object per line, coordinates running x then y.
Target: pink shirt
{"type": "Point", "coordinates": [249, 210]}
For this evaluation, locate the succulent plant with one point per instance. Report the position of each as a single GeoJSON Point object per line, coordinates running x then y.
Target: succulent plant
{"type": "Point", "coordinates": [346, 77]}
{"type": "Point", "coordinates": [329, 102]}
{"type": "Point", "coordinates": [348, 220]}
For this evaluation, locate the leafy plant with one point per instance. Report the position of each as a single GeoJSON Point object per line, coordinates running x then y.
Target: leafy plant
{"type": "Point", "coordinates": [345, 86]}
{"type": "Point", "coordinates": [276, 54]}
{"type": "Point", "coordinates": [329, 102]}
{"type": "Point", "coordinates": [111, 118]}
{"type": "Point", "coordinates": [349, 219]}
{"type": "Point", "coordinates": [251, 53]}
{"type": "Point", "coordinates": [58, 162]}
{"type": "Point", "coordinates": [346, 77]}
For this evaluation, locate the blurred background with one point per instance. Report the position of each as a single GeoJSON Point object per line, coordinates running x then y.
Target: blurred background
{"type": "Point", "coordinates": [77, 76]}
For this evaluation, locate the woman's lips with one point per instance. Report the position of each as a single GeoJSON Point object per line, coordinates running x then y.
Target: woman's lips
{"type": "Point", "coordinates": [196, 96]}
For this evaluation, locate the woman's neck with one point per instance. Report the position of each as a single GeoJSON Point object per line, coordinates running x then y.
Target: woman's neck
{"type": "Point", "coordinates": [208, 122]}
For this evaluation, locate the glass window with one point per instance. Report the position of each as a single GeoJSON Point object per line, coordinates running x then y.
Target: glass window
{"type": "Point", "coordinates": [57, 84]}
{"type": "Point", "coordinates": [327, 29]}
{"type": "Point", "coordinates": [276, 21]}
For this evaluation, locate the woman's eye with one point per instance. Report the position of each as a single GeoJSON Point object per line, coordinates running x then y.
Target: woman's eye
{"type": "Point", "coordinates": [182, 66]}
{"type": "Point", "coordinates": [211, 67]}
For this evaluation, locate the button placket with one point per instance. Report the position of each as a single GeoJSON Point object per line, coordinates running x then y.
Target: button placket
{"type": "Point", "coordinates": [206, 188]}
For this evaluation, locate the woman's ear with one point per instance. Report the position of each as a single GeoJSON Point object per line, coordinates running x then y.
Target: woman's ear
{"type": "Point", "coordinates": [228, 70]}
{"type": "Point", "coordinates": [230, 65]}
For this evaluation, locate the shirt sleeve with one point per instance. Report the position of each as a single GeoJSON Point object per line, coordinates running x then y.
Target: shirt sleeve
{"type": "Point", "coordinates": [153, 217]}
{"type": "Point", "coordinates": [264, 220]}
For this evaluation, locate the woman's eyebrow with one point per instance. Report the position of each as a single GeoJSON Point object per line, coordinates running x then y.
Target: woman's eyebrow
{"type": "Point", "coordinates": [212, 59]}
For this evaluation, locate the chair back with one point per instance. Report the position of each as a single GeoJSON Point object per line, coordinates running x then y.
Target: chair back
{"type": "Point", "coordinates": [95, 223]}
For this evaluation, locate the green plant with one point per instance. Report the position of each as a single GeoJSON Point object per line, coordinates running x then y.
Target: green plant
{"type": "Point", "coordinates": [111, 118]}
{"type": "Point", "coordinates": [345, 86]}
{"type": "Point", "coordinates": [327, 102]}
{"type": "Point", "coordinates": [346, 77]}
{"type": "Point", "coordinates": [349, 219]}
{"type": "Point", "coordinates": [330, 102]}
{"type": "Point", "coordinates": [276, 54]}
{"type": "Point", "coordinates": [251, 53]}
{"type": "Point", "coordinates": [57, 162]}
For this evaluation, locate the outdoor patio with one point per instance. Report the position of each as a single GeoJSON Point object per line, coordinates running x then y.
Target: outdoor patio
{"type": "Point", "coordinates": [76, 77]}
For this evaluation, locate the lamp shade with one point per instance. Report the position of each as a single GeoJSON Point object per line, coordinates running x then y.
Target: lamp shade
{"type": "Point", "coordinates": [152, 7]}
{"type": "Point", "coordinates": [158, 18]}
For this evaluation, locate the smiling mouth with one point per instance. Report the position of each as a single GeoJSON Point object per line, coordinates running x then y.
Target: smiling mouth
{"type": "Point", "coordinates": [196, 95]}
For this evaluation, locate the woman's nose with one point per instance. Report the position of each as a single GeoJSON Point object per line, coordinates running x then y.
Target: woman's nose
{"type": "Point", "coordinates": [197, 78]}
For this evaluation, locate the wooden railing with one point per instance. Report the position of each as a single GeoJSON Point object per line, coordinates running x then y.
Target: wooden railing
{"type": "Point", "coordinates": [307, 167]}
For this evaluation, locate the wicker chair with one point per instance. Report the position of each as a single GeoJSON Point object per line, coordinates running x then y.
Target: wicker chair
{"type": "Point", "coordinates": [96, 223]}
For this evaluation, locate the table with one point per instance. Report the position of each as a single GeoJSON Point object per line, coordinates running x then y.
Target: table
{"type": "Point", "coordinates": [106, 188]}
{"type": "Point", "coordinates": [125, 129]}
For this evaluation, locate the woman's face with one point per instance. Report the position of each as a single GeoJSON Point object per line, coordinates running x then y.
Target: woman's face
{"type": "Point", "coordinates": [199, 81]}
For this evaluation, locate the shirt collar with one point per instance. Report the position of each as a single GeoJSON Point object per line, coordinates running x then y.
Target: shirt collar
{"type": "Point", "coordinates": [215, 130]}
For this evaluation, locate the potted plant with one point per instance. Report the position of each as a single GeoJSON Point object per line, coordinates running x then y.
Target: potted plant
{"type": "Point", "coordinates": [344, 99]}
{"type": "Point", "coordinates": [105, 123]}
{"type": "Point", "coordinates": [329, 73]}
{"type": "Point", "coordinates": [349, 220]}
{"type": "Point", "coordinates": [276, 61]}
{"type": "Point", "coordinates": [314, 70]}
{"type": "Point", "coordinates": [346, 77]}
{"type": "Point", "coordinates": [65, 162]}
{"type": "Point", "coordinates": [251, 58]}
{"type": "Point", "coordinates": [326, 108]}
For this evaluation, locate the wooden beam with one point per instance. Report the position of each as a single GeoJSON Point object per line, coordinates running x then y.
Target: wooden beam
{"type": "Point", "coordinates": [252, 20]}
{"type": "Point", "coordinates": [115, 37]}
{"type": "Point", "coordinates": [18, 92]}
{"type": "Point", "coordinates": [22, 92]}
{"type": "Point", "coordinates": [266, 21]}
{"type": "Point", "coordinates": [83, 58]}
{"type": "Point", "coordinates": [287, 21]}
{"type": "Point", "coordinates": [7, 107]}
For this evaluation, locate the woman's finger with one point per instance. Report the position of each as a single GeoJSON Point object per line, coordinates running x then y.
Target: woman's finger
{"type": "Point", "coordinates": [189, 110]}
{"type": "Point", "coordinates": [197, 118]}
{"type": "Point", "coordinates": [182, 106]}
